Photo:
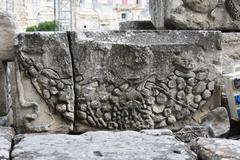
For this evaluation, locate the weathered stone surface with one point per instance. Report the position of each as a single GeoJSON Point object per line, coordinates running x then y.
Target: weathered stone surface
{"type": "Point", "coordinates": [7, 33]}
{"type": "Point", "coordinates": [189, 133]}
{"type": "Point", "coordinates": [6, 137]}
{"type": "Point", "coordinates": [195, 14]}
{"type": "Point", "coordinates": [4, 107]}
{"type": "Point", "coordinates": [218, 121]}
{"type": "Point", "coordinates": [157, 132]}
{"type": "Point", "coordinates": [136, 25]}
{"type": "Point", "coordinates": [101, 145]}
{"type": "Point", "coordinates": [6, 102]}
{"type": "Point", "coordinates": [45, 83]}
{"type": "Point", "coordinates": [214, 148]}
{"type": "Point", "coordinates": [230, 52]}
{"type": "Point", "coordinates": [127, 81]}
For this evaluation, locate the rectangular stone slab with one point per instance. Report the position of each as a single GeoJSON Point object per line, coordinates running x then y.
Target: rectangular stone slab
{"type": "Point", "coordinates": [101, 145]}
{"type": "Point", "coordinates": [124, 80]}
{"type": "Point", "coordinates": [195, 14]}
{"type": "Point", "coordinates": [45, 83]}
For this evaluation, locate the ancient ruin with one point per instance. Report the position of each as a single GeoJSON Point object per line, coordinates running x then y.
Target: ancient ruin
{"type": "Point", "coordinates": [196, 14]}
{"type": "Point", "coordinates": [143, 92]}
{"type": "Point", "coordinates": [122, 85]}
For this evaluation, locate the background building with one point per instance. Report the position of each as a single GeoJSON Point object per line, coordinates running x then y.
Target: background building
{"type": "Point", "coordinates": [79, 14]}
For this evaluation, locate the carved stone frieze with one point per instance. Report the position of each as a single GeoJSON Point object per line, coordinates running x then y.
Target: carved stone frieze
{"type": "Point", "coordinates": [45, 82]}
{"type": "Point", "coordinates": [124, 86]}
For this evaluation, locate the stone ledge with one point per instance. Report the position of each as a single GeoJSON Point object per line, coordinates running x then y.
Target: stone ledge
{"type": "Point", "coordinates": [128, 145]}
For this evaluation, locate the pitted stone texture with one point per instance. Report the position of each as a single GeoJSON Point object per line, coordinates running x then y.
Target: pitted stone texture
{"type": "Point", "coordinates": [201, 6]}
{"type": "Point", "coordinates": [6, 102]}
{"type": "Point", "coordinates": [101, 145]}
{"type": "Point", "coordinates": [196, 14]}
{"type": "Point", "coordinates": [190, 133]}
{"type": "Point", "coordinates": [136, 25]}
{"type": "Point", "coordinates": [123, 85]}
{"type": "Point", "coordinates": [209, 40]}
{"type": "Point", "coordinates": [6, 137]}
{"type": "Point", "coordinates": [216, 149]}
{"type": "Point", "coordinates": [7, 33]}
{"type": "Point", "coordinates": [218, 121]}
{"type": "Point", "coordinates": [157, 132]}
{"type": "Point", "coordinates": [45, 83]}
{"type": "Point", "coordinates": [230, 52]}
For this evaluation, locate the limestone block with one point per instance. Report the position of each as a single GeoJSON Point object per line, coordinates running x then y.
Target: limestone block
{"type": "Point", "coordinates": [218, 121]}
{"type": "Point", "coordinates": [216, 148]}
{"type": "Point", "coordinates": [44, 83]}
{"type": "Point", "coordinates": [6, 137]}
{"type": "Point", "coordinates": [138, 80]}
{"type": "Point", "coordinates": [128, 145]}
{"type": "Point", "coordinates": [196, 14]}
{"type": "Point", "coordinates": [7, 33]}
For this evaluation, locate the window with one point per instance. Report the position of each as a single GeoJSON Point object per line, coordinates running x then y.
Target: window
{"type": "Point", "coordinates": [82, 1]}
{"type": "Point", "coordinates": [124, 15]}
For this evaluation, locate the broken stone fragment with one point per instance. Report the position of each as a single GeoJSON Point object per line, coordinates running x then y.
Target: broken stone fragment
{"type": "Point", "coordinates": [195, 14]}
{"type": "Point", "coordinates": [216, 148]}
{"type": "Point", "coordinates": [190, 133]}
{"type": "Point", "coordinates": [218, 121]}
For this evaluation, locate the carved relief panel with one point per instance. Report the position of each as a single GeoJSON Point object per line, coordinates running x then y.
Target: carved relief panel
{"type": "Point", "coordinates": [45, 82]}
{"type": "Point", "coordinates": [124, 86]}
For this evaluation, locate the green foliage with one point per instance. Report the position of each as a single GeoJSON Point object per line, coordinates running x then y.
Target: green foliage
{"type": "Point", "coordinates": [43, 26]}
{"type": "Point", "coordinates": [31, 29]}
